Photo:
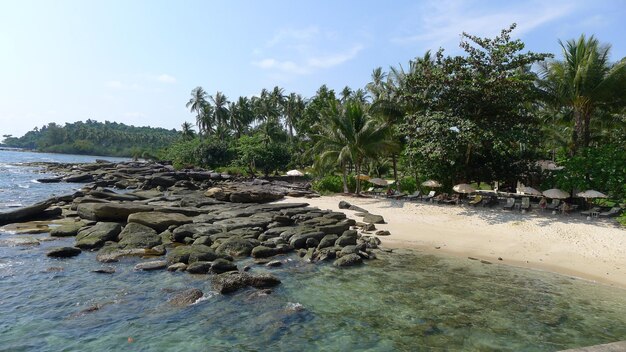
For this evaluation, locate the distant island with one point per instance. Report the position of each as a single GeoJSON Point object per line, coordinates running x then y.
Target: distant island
{"type": "Point", "coordinates": [94, 138]}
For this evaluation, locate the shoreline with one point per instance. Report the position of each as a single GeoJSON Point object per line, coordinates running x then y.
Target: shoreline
{"type": "Point", "coordinates": [566, 245]}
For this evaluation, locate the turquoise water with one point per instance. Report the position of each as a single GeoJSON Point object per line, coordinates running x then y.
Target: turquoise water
{"type": "Point", "coordinates": [404, 301]}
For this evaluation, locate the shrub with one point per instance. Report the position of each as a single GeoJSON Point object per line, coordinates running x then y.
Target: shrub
{"type": "Point", "coordinates": [408, 184]}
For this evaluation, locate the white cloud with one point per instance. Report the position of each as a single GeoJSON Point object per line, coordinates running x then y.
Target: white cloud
{"type": "Point", "coordinates": [303, 51]}
{"type": "Point", "coordinates": [442, 22]}
{"type": "Point", "coordinates": [165, 78]}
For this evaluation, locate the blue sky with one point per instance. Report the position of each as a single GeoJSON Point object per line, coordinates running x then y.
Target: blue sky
{"type": "Point", "coordinates": [137, 61]}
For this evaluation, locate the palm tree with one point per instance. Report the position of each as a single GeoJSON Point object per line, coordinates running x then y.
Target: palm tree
{"type": "Point", "coordinates": [377, 86]}
{"type": "Point", "coordinates": [584, 83]}
{"type": "Point", "coordinates": [196, 103]}
{"type": "Point", "coordinates": [187, 131]}
{"type": "Point", "coordinates": [347, 133]}
{"type": "Point", "coordinates": [220, 112]}
{"type": "Point", "coordinates": [241, 115]}
{"type": "Point", "coordinates": [293, 109]}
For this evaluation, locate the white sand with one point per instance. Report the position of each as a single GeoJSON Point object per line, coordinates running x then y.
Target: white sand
{"type": "Point", "coordinates": [567, 244]}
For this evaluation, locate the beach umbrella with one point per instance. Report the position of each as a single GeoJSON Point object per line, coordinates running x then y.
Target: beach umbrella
{"type": "Point", "coordinates": [363, 177]}
{"type": "Point", "coordinates": [378, 181]}
{"type": "Point", "coordinates": [464, 188]}
{"type": "Point", "coordinates": [431, 183]}
{"type": "Point", "coordinates": [294, 173]}
{"type": "Point", "coordinates": [531, 191]}
{"type": "Point", "coordinates": [555, 193]}
{"type": "Point", "coordinates": [591, 194]}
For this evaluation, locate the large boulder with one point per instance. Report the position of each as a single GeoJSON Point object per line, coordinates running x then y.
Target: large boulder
{"type": "Point", "coordinates": [95, 236]}
{"type": "Point", "coordinates": [152, 265]}
{"type": "Point", "coordinates": [373, 219]}
{"type": "Point", "coordinates": [328, 241]}
{"type": "Point", "coordinates": [265, 252]}
{"type": "Point", "coordinates": [67, 229]}
{"type": "Point", "coordinates": [348, 238]}
{"type": "Point", "coordinates": [194, 230]}
{"type": "Point", "coordinates": [199, 267]}
{"type": "Point", "coordinates": [234, 280]}
{"type": "Point", "coordinates": [191, 254]}
{"type": "Point", "coordinates": [237, 223]}
{"type": "Point", "coordinates": [221, 265]}
{"type": "Point", "coordinates": [135, 235]}
{"type": "Point", "coordinates": [63, 252]}
{"type": "Point", "coordinates": [337, 228]}
{"type": "Point", "coordinates": [186, 297]}
{"type": "Point", "coordinates": [236, 247]}
{"type": "Point", "coordinates": [348, 260]}
{"type": "Point", "coordinates": [26, 213]}
{"type": "Point", "coordinates": [158, 220]}
{"type": "Point", "coordinates": [299, 240]}
{"type": "Point", "coordinates": [110, 211]}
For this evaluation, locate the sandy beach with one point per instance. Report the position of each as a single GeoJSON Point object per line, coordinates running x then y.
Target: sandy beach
{"type": "Point", "coordinates": [567, 244]}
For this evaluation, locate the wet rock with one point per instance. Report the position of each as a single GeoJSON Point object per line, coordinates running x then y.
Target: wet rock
{"type": "Point", "coordinates": [186, 297]}
{"type": "Point", "coordinates": [112, 253]}
{"type": "Point", "coordinates": [199, 267]}
{"type": "Point", "coordinates": [373, 219]}
{"type": "Point", "coordinates": [135, 235]}
{"type": "Point", "coordinates": [348, 260]}
{"type": "Point", "coordinates": [274, 263]}
{"type": "Point", "coordinates": [299, 240]}
{"type": "Point", "coordinates": [153, 265]}
{"type": "Point", "coordinates": [194, 230]}
{"type": "Point", "coordinates": [233, 281]}
{"type": "Point", "coordinates": [221, 265]}
{"type": "Point", "coordinates": [265, 252]}
{"type": "Point", "coordinates": [202, 240]}
{"type": "Point", "coordinates": [158, 220]}
{"type": "Point", "coordinates": [177, 267]}
{"type": "Point", "coordinates": [67, 230]}
{"type": "Point", "coordinates": [237, 223]}
{"type": "Point", "coordinates": [80, 178]}
{"type": "Point", "coordinates": [383, 233]}
{"type": "Point", "coordinates": [95, 236]}
{"type": "Point", "coordinates": [110, 211]}
{"type": "Point", "coordinates": [259, 294]}
{"type": "Point", "coordinates": [26, 213]}
{"type": "Point", "coordinates": [236, 247]}
{"type": "Point", "coordinates": [50, 179]}
{"type": "Point", "coordinates": [348, 250]}
{"type": "Point", "coordinates": [104, 270]}
{"type": "Point", "coordinates": [190, 254]}
{"type": "Point", "coordinates": [311, 243]}
{"type": "Point", "coordinates": [63, 252]}
{"type": "Point", "coordinates": [348, 238]}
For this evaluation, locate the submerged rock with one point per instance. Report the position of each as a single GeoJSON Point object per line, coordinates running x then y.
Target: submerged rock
{"type": "Point", "coordinates": [63, 252]}
{"type": "Point", "coordinates": [233, 281]}
{"type": "Point", "coordinates": [135, 235]}
{"type": "Point", "coordinates": [67, 230]}
{"type": "Point", "coordinates": [185, 298]}
{"type": "Point", "coordinates": [348, 260]}
{"type": "Point", "coordinates": [153, 265]}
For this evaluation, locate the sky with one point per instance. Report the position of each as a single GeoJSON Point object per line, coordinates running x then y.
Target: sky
{"type": "Point", "coordinates": [137, 61]}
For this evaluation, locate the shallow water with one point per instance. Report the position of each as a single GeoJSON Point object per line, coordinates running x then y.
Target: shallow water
{"type": "Point", "coordinates": [404, 301]}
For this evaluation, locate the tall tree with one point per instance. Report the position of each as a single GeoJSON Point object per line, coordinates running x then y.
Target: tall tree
{"type": "Point", "coordinates": [293, 108]}
{"type": "Point", "coordinates": [196, 103]}
{"type": "Point", "coordinates": [584, 82]}
{"type": "Point", "coordinates": [220, 112]}
{"type": "Point", "coordinates": [187, 130]}
{"type": "Point", "coordinates": [347, 133]}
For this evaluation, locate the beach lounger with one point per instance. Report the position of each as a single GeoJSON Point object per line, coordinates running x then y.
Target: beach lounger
{"type": "Point", "coordinates": [525, 204]}
{"type": "Point", "coordinates": [477, 200]}
{"type": "Point", "coordinates": [615, 211]}
{"type": "Point", "coordinates": [413, 196]}
{"type": "Point", "coordinates": [510, 203]}
{"type": "Point", "coordinates": [369, 191]}
{"type": "Point", "coordinates": [554, 205]}
{"type": "Point", "coordinates": [590, 211]}
{"type": "Point", "coordinates": [429, 196]}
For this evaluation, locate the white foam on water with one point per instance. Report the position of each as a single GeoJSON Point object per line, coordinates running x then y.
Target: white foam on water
{"type": "Point", "coordinates": [294, 306]}
{"type": "Point", "coordinates": [205, 297]}
{"type": "Point", "coordinates": [23, 186]}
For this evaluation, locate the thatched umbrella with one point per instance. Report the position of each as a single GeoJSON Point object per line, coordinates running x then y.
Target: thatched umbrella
{"type": "Point", "coordinates": [431, 184]}
{"type": "Point", "coordinates": [294, 173]}
{"type": "Point", "coordinates": [378, 181]}
{"type": "Point", "coordinates": [363, 177]}
{"type": "Point", "coordinates": [555, 193]}
{"type": "Point", "coordinates": [531, 191]}
{"type": "Point", "coordinates": [464, 188]}
{"type": "Point", "coordinates": [590, 193]}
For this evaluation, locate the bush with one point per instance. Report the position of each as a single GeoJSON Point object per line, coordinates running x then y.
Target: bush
{"type": "Point", "coordinates": [334, 184]}
{"type": "Point", "coordinates": [208, 153]}
{"type": "Point", "coordinates": [408, 184]}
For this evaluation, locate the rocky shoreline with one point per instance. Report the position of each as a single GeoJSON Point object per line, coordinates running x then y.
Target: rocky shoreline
{"type": "Point", "coordinates": [196, 221]}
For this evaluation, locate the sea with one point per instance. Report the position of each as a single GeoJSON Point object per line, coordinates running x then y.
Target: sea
{"type": "Point", "coordinates": [402, 301]}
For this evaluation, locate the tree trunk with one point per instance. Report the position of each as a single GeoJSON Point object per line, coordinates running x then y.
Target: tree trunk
{"type": "Point", "coordinates": [395, 171]}
{"type": "Point", "coordinates": [358, 180]}
{"type": "Point", "coordinates": [344, 177]}
{"type": "Point", "coordinates": [587, 130]}
{"type": "Point", "coordinates": [578, 132]}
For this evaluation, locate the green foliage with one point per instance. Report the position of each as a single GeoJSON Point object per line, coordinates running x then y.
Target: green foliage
{"type": "Point", "coordinates": [208, 153]}
{"type": "Point", "coordinates": [333, 184]}
{"type": "Point", "coordinates": [256, 152]}
{"type": "Point", "coordinates": [601, 168]}
{"type": "Point", "coordinates": [408, 184]}
{"type": "Point", "coordinates": [96, 138]}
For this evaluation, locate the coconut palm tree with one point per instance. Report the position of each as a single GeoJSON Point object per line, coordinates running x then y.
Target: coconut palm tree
{"type": "Point", "coordinates": [204, 120]}
{"type": "Point", "coordinates": [187, 131]}
{"type": "Point", "coordinates": [584, 83]}
{"type": "Point", "coordinates": [196, 102]}
{"type": "Point", "coordinates": [377, 86]}
{"type": "Point", "coordinates": [241, 115]}
{"type": "Point", "coordinates": [293, 108]}
{"type": "Point", "coordinates": [220, 112]}
{"type": "Point", "coordinates": [347, 133]}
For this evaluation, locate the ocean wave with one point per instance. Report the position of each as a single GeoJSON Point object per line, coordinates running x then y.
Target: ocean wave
{"type": "Point", "coordinates": [205, 297]}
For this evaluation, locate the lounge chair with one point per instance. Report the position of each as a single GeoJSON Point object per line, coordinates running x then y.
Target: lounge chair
{"type": "Point", "coordinates": [510, 203]}
{"type": "Point", "coordinates": [615, 211]}
{"type": "Point", "coordinates": [415, 195]}
{"type": "Point", "coordinates": [451, 200]}
{"type": "Point", "coordinates": [525, 204]}
{"type": "Point", "coordinates": [554, 205]}
{"type": "Point", "coordinates": [477, 200]}
{"type": "Point", "coordinates": [429, 196]}
{"type": "Point", "coordinates": [590, 211]}
{"type": "Point", "coordinates": [369, 191]}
